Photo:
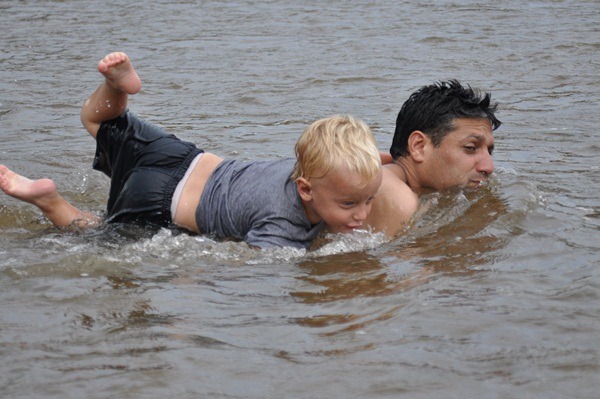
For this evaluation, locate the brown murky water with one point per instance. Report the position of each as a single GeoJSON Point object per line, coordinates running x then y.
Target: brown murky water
{"type": "Point", "coordinates": [491, 294]}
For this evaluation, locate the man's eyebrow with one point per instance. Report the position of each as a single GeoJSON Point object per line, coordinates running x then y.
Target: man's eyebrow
{"type": "Point", "coordinates": [476, 136]}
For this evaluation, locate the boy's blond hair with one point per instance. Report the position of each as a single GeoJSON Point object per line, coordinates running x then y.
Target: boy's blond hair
{"type": "Point", "coordinates": [331, 143]}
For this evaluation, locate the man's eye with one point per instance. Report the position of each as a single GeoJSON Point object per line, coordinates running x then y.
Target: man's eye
{"type": "Point", "coordinates": [470, 148]}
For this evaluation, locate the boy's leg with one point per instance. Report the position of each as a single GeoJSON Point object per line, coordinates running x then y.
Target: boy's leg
{"type": "Point", "coordinates": [43, 194]}
{"type": "Point", "coordinates": [110, 98]}
{"type": "Point", "coordinates": [106, 103]}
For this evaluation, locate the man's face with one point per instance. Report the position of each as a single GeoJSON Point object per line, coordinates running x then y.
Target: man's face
{"type": "Point", "coordinates": [464, 157]}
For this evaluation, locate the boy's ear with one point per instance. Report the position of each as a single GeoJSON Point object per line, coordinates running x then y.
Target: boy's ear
{"type": "Point", "coordinates": [417, 141]}
{"type": "Point", "coordinates": [304, 189]}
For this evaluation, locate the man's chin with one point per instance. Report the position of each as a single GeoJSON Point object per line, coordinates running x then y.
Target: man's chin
{"type": "Point", "coordinates": [471, 184]}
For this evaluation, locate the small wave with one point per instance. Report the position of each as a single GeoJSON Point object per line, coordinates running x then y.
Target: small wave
{"type": "Point", "coordinates": [436, 40]}
{"type": "Point", "coordinates": [360, 240]}
{"type": "Point", "coordinates": [184, 249]}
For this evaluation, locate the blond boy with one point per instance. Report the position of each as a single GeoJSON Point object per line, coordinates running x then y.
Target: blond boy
{"type": "Point", "coordinates": [160, 180]}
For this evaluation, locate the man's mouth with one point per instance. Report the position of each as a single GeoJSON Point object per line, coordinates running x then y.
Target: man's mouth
{"type": "Point", "coordinates": [478, 182]}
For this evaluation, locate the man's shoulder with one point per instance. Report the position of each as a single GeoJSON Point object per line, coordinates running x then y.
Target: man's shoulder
{"type": "Point", "coordinates": [394, 204]}
{"type": "Point", "coordinates": [395, 188]}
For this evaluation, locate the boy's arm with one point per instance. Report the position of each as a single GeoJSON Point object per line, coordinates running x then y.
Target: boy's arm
{"type": "Point", "coordinates": [279, 234]}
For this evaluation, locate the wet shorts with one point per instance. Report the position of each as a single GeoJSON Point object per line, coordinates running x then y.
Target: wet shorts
{"type": "Point", "coordinates": [144, 164]}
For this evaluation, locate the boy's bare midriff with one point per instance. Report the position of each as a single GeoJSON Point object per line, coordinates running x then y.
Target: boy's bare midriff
{"type": "Point", "coordinates": [185, 215]}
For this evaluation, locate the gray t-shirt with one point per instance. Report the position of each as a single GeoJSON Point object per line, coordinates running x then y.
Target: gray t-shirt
{"type": "Point", "coordinates": [256, 202]}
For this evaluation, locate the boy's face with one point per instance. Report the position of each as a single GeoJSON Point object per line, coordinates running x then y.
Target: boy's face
{"type": "Point", "coordinates": [338, 199]}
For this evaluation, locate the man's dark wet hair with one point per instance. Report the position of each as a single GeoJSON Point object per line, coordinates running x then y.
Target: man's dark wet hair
{"type": "Point", "coordinates": [432, 110]}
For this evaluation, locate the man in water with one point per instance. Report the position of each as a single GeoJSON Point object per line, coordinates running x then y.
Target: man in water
{"type": "Point", "coordinates": [444, 138]}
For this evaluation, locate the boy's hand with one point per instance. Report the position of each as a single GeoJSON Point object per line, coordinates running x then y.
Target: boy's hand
{"type": "Point", "coordinates": [386, 157]}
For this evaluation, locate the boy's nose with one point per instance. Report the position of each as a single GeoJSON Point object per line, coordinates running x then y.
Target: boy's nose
{"type": "Point", "coordinates": [361, 213]}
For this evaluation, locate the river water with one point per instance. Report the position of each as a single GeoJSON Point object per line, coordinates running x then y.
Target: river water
{"type": "Point", "coordinates": [491, 294]}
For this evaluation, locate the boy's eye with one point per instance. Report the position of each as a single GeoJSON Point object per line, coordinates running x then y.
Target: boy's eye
{"type": "Point", "coordinates": [348, 204]}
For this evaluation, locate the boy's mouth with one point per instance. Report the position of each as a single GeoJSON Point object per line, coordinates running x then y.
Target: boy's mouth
{"type": "Point", "coordinates": [354, 226]}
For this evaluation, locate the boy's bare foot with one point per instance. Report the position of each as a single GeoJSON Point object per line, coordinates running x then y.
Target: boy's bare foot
{"type": "Point", "coordinates": [119, 73]}
{"type": "Point", "coordinates": [43, 194]}
{"type": "Point", "coordinates": [36, 192]}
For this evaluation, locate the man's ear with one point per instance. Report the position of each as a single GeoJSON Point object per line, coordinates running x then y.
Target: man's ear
{"type": "Point", "coordinates": [304, 189]}
{"type": "Point", "coordinates": [417, 141]}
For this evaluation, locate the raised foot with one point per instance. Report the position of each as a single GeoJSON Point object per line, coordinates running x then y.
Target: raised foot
{"type": "Point", "coordinates": [37, 192]}
{"type": "Point", "coordinates": [119, 73]}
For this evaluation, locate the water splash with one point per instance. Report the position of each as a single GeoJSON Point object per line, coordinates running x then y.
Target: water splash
{"type": "Point", "coordinates": [359, 240]}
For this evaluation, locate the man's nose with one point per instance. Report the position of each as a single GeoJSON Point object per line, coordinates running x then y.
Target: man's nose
{"type": "Point", "coordinates": [486, 164]}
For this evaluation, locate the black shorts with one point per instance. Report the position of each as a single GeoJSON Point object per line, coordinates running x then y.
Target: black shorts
{"type": "Point", "coordinates": [144, 164]}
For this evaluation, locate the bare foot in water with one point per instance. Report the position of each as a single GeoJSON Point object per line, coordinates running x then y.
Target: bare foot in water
{"type": "Point", "coordinates": [37, 192]}
{"type": "Point", "coordinates": [119, 73]}
{"type": "Point", "coordinates": [43, 194]}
